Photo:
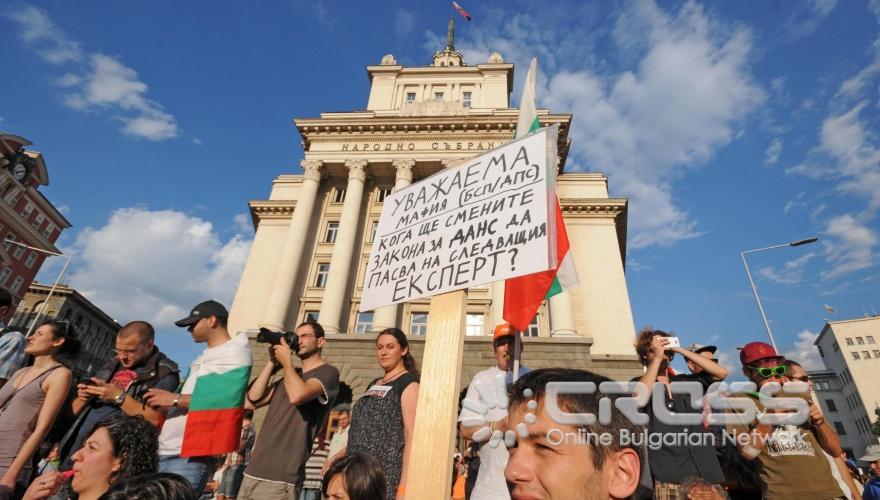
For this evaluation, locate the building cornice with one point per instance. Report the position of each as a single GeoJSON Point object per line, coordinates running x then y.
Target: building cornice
{"type": "Point", "coordinates": [604, 208]}
{"type": "Point", "coordinates": [270, 209]}
{"type": "Point", "coordinates": [66, 292]}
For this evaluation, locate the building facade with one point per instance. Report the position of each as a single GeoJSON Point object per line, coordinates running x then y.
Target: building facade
{"type": "Point", "coordinates": [314, 232]}
{"type": "Point", "coordinates": [26, 216]}
{"type": "Point", "coordinates": [96, 330]}
{"type": "Point", "coordinates": [850, 350]}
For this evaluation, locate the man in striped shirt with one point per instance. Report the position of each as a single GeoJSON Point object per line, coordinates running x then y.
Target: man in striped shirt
{"type": "Point", "coordinates": [312, 484]}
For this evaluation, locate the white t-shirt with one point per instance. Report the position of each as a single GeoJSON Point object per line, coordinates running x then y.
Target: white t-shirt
{"type": "Point", "coordinates": [490, 484]}
{"type": "Point", "coordinates": [231, 352]}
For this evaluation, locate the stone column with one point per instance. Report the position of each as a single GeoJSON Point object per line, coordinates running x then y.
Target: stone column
{"type": "Point", "coordinates": [278, 308]}
{"type": "Point", "coordinates": [386, 317]}
{"type": "Point", "coordinates": [335, 292]}
{"type": "Point", "coordinates": [561, 317]}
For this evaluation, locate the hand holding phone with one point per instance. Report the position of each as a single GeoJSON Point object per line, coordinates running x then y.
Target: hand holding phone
{"type": "Point", "coordinates": [672, 342]}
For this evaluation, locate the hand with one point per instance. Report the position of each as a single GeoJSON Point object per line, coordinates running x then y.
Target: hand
{"type": "Point", "coordinates": [158, 398]}
{"type": "Point", "coordinates": [658, 345]}
{"type": "Point", "coordinates": [44, 486]}
{"type": "Point", "coordinates": [282, 354]}
{"type": "Point", "coordinates": [100, 390]}
{"type": "Point", "coordinates": [816, 417]}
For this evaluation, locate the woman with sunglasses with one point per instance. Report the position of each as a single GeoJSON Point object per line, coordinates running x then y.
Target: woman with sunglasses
{"type": "Point", "coordinates": [32, 399]}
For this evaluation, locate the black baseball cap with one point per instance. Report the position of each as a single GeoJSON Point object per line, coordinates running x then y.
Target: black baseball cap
{"type": "Point", "coordinates": [205, 309]}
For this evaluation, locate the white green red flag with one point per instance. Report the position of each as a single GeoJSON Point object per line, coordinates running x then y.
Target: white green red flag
{"type": "Point", "coordinates": [523, 295]}
{"type": "Point", "coordinates": [461, 11]}
{"type": "Point", "coordinates": [213, 422]}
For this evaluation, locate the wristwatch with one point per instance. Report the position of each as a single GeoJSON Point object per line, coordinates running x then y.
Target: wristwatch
{"type": "Point", "coordinates": [176, 402]}
{"type": "Point", "coordinates": [120, 398]}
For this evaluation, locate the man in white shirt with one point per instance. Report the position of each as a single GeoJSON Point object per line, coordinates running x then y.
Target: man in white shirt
{"type": "Point", "coordinates": [488, 389]}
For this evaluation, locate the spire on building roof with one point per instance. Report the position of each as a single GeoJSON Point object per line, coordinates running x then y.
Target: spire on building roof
{"type": "Point", "coordinates": [450, 35]}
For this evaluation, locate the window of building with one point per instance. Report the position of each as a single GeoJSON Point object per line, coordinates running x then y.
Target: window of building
{"type": "Point", "coordinates": [855, 355]}
{"type": "Point", "coordinates": [474, 325]}
{"type": "Point", "coordinates": [364, 322]}
{"type": "Point", "coordinates": [841, 430]}
{"type": "Point", "coordinates": [876, 353]}
{"type": "Point", "coordinates": [836, 346]}
{"type": "Point", "coordinates": [830, 404]}
{"type": "Point", "coordinates": [16, 285]}
{"type": "Point", "coordinates": [418, 324]}
{"type": "Point", "coordinates": [38, 220]}
{"type": "Point", "coordinates": [47, 231]}
{"type": "Point", "coordinates": [438, 96]}
{"type": "Point", "coordinates": [860, 341]}
{"type": "Point", "coordinates": [31, 258]}
{"type": "Point", "coordinates": [18, 251]}
{"type": "Point", "coordinates": [849, 341]}
{"type": "Point", "coordinates": [381, 193]}
{"type": "Point", "coordinates": [4, 276]}
{"type": "Point", "coordinates": [466, 99]}
{"type": "Point", "coordinates": [332, 231]}
{"type": "Point", "coordinates": [533, 327]}
{"type": "Point", "coordinates": [821, 352]}
{"type": "Point", "coordinates": [321, 275]}
{"type": "Point", "coordinates": [866, 355]}
{"type": "Point", "coordinates": [870, 339]}
{"type": "Point", "coordinates": [311, 316]}
{"type": "Point", "coordinates": [11, 197]}
{"type": "Point", "coordinates": [338, 195]}
{"type": "Point", "coordinates": [410, 97]}
{"type": "Point", "coordinates": [371, 236]}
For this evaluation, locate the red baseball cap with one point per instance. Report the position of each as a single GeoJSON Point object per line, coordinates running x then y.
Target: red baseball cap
{"type": "Point", "coordinates": [755, 351]}
{"type": "Point", "coordinates": [502, 330]}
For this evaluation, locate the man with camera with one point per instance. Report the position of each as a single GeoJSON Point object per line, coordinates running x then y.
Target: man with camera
{"type": "Point", "coordinates": [299, 403]}
{"type": "Point", "coordinates": [121, 385]}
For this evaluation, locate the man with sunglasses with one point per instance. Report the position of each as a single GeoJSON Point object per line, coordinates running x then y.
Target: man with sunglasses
{"type": "Point", "coordinates": [790, 458]}
{"type": "Point", "coordinates": [121, 386]}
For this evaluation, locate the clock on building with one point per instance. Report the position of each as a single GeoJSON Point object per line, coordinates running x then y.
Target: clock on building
{"type": "Point", "coordinates": [20, 167]}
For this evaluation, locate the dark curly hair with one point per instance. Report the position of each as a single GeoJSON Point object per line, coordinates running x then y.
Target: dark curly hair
{"type": "Point", "coordinates": [643, 342]}
{"type": "Point", "coordinates": [161, 485]}
{"type": "Point", "coordinates": [135, 442]}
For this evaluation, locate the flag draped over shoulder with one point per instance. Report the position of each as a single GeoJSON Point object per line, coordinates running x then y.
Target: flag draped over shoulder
{"type": "Point", "coordinates": [523, 295]}
{"type": "Point", "coordinates": [213, 422]}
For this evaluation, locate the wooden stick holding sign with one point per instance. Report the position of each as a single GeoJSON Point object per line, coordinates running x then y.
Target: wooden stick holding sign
{"type": "Point", "coordinates": [429, 472]}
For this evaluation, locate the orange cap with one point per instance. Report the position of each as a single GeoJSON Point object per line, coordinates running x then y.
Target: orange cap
{"type": "Point", "coordinates": [502, 330]}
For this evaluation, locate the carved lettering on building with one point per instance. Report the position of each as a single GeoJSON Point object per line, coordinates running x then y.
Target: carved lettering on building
{"type": "Point", "coordinates": [412, 146]}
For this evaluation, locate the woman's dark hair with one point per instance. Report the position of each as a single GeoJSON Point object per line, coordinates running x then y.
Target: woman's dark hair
{"type": "Point", "coordinates": [135, 442]}
{"type": "Point", "coordinates": [62, 329]}
{"type": "Point", "coordinates": [409, 362]}
{"type": "Point", "coordinates": [364, 479]}
{"type": "Point", "coordinates": [157, 486]}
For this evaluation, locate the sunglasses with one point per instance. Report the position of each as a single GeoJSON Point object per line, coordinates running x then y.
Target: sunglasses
{"type": "Point", "coordinates": [770, 371]}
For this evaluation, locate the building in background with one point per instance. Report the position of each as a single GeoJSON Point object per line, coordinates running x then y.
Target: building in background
{"type": "Point", "coordinates": [97, 331]}
{"type": "Point", "coordinates": [26, 216]}
{"type": "Point", "coordinates": [848, 388]}
{"type": "Point", "coordinates": [314, 233]}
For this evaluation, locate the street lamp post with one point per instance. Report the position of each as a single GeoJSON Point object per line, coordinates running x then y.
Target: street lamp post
{"type": "Point", "coordinates": [752, 282]}
{"type": "Point", "coordinates": [37, 314]}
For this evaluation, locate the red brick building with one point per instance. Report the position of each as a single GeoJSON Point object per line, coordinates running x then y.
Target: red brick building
{"type": "Point", "coordinates": [26, 216]}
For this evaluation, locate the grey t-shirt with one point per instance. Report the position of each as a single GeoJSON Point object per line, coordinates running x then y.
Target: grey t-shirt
{"type": "Point", "coordinates": [285, 439]}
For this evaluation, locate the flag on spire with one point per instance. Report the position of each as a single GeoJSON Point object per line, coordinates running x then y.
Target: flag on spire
{"type": "Point", "coordinates": [461, 11]}
{"type": "Point", "coordinates": [828, 308]}
{"type": "Point", "coordinates": [523, 295]}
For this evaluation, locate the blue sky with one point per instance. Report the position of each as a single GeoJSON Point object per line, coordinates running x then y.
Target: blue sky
{"type": "Point", "coordinates": [729, 126]}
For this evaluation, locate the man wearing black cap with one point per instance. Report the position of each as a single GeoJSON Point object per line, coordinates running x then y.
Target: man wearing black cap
{"type": "Point", "coordinates": [204, 417]}
{"type": "Point", "coordinates": [706, 351]}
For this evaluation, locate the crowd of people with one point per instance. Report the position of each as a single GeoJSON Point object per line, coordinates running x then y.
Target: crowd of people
{"type": "Point", "coordinates": [140, 429]}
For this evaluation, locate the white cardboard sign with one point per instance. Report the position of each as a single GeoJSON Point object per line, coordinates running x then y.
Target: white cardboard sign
{"type": "Point", "coordinates": [483, 221]}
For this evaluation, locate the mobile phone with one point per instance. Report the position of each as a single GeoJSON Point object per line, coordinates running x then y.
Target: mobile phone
{"type": "Point", "coordinates": [88, 381]}
{"type": "Point", "coordinates": [673, 342]}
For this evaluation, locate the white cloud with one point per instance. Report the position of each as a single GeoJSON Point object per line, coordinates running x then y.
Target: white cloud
{"type": "Point", "coordinates": [792, 272]}
{"type": "Point", "coordinates": [804, 352]}
{"type": "Point", "coordinates": [849, 247]}
{"type": "Point", "coordinates": [771, 156]}
{"type": "Point", "coordinates": [805, 17]}
{"type": "Point", "coordinates": [154, 265]}
{"type": "Point", "coordinates": [243, 223]}
{"type": "Point", "coordinates": [103, 84]}
{"type": "Point", "coordinates": [197, 141]}
{"type": "Point", "coordinates": [404, 22]}
{"type": "Point", "coordinates": [39, 33]}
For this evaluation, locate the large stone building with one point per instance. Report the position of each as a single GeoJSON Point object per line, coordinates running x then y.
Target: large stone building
{"type": "Point", "coordinates": [313, 234]}
{"type": "Point", "coordinates": [96, 329]}
{"type": "Point", "coordinates": [26, 216]}
{"type": "Point", "coordinates": [849, 392]}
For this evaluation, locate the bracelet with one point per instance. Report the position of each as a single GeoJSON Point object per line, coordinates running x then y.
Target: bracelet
{"type": "Point", "coordinates": [176, 401]}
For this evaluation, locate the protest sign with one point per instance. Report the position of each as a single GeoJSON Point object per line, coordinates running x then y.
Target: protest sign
{"type": "Point", "coordinates": [484, 221]}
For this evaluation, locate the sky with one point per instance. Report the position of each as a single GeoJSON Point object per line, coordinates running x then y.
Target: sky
{"type": "Point", "coordinates": [729, 127]}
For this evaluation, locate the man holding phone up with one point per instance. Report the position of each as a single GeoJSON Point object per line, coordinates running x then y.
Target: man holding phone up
{"type": "Point", "coordinates": [672, 464]}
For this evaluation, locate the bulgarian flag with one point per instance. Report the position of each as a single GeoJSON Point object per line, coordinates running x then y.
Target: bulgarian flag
{"type": "Point", "coordinates": [461, 11]}
{"type": "Point", "coordinates": [213, 422]}
{"type": "Point", "coordinates": [523, 295]}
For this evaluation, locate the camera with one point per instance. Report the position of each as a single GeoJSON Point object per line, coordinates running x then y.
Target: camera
{"type": "Point", "coordinates": [267, 336]}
